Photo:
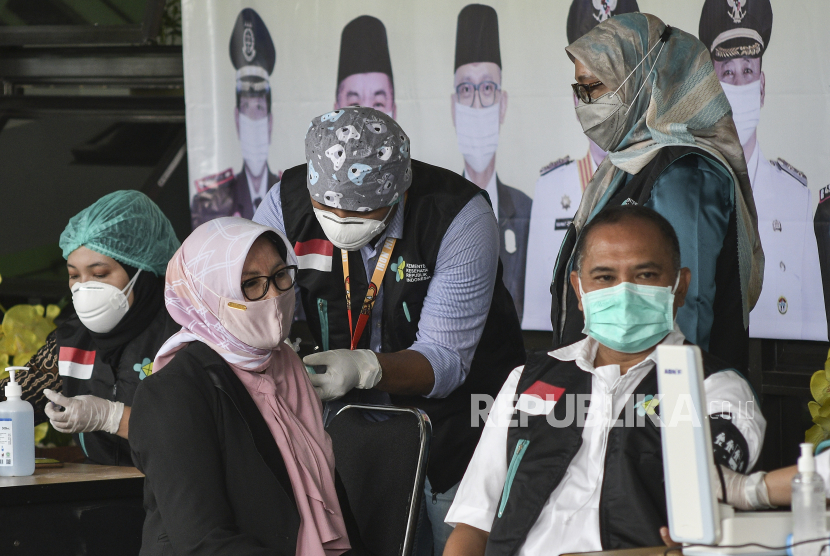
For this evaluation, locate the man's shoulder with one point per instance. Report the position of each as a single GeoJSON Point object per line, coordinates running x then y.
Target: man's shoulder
{"type": "Point", "coordinates": [520, 198]}
{"type": "Point", "coordinates": [515, 205]}
{"type": "Point", "coordinates": [190, 363]}
{"type": "Point", "coordinates": [778, 188]}
{"type": "Point", "coordinates": [541, 362]}
{"type": "Point", "coordinates": [562, 171]}
{"type": "Point", "coordinates": [786, 169]}
{"type": "Point", "coordinates": [555, 165]}
{"type": "Point", "coordinates": [779, 174]}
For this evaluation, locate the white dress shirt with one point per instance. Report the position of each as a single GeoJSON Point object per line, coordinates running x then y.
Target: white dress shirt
{"type": "Point", "coordinates": [569, 521]}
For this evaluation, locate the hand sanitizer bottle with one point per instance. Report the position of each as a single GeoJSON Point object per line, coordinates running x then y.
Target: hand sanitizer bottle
{"type": "Point", "coordinates": [17, 431]}
{"type": "Point", "coordinates": [809, 521]}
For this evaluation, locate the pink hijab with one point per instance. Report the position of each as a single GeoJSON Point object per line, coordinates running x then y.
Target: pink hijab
{"type": "Point", "coordinates": [209, 266]}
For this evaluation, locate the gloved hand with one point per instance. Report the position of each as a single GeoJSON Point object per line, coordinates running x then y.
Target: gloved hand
{"type": "Point", "coordinates": [83, 413]}
{"type": "Point", "coordinates": [744, 492]}
{"type": "Point", "coordinates": [345, 369]}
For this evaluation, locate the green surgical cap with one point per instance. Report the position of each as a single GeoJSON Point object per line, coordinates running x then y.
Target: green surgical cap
{"type": "Point", "coordinates": [127, 226]}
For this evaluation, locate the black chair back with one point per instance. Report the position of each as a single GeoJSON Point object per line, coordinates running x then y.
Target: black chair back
{"type": "Point", "coordinates": [381, 456]}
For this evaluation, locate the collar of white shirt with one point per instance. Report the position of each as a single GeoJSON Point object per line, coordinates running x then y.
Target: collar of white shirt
{"type": "Point", "coordinates": [584, 352]}
{"type": "Point", "coordinates": [259, 189]}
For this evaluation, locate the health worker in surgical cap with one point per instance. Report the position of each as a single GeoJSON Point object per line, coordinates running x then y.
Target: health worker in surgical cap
{"type": "Point", "coordinates": [400, 279]}
{"type": "Point", "coordinates": [116, 251]}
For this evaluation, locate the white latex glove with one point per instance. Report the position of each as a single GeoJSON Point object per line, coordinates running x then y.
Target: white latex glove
{"type": "Point", "coordinates": [345, 369]}
{"type": "Point", "coordinates": [744, 492]}
{"type": "Point", "coordinates": [83, 413]}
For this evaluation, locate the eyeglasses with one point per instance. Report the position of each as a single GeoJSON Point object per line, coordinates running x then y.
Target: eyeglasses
{"type": "Point", "coordinates": [488, 93]}
{"type": "Point", "coordinates": [257, 288]}
{"type": "Point", "coordinates": [583, 92]}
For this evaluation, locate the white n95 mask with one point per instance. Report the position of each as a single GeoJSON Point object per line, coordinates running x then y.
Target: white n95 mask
{"type": "Point", "coordinates": [254, 142]}
{"type": "Point", "coordinates": [745, 101]}
{"type": "Point", "coordinates": [350, 233]}
{"type": "Point", "coordinates": [101, 306]}
{"type": "Point", "coordinates": [477, 130]}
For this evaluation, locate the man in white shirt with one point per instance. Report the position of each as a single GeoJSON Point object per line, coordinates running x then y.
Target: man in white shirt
{"type": "Point", "coordinates": [791, 305]}
{"type": "Point", "coordinates": [583, 476]}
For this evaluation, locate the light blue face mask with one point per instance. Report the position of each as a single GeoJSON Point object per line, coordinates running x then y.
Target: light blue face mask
{"type": "Point", "coordinates": [629, 317]}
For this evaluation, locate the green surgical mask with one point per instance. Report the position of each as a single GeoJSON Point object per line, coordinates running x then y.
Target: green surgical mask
{"type": "Point", "coordinates": [629, 317]}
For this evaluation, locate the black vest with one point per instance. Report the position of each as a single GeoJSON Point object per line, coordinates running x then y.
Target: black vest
{"type": "Point", "coordinates": [633, 497]}
{"type": "Point", "coordinates": [729, 340]}
{"type": "Point", "coordinates": [117, 384]}
{"type": "Point", "coordinates": [434, 199]}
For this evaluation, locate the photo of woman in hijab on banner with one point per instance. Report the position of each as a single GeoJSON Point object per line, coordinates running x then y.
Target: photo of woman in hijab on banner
{"type": "Point", "coordinates": [534, 161]}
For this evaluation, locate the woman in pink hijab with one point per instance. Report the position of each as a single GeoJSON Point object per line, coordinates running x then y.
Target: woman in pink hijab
{"type": "Point", "coordinates": [228, 428]}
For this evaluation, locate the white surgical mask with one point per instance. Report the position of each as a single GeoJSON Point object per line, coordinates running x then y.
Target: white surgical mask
{"type": "Point", "coordinates": [101, 306]}
{"type": "Point", "coordinates": [254, 142]}
{"type": "Point", "coordinates": [746, 107]}
{"type": "Point", "coordinates": [477, 130]}
{"type": "Point", "coordinates": [350, 233]}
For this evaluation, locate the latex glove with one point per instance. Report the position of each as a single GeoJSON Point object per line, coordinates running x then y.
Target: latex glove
{"type": "Point", "coordinates": [744, 492]}
{"type": "Point", "coordinates": [83, 413]}
{"type": "Point", "coordinates": [345, 369]}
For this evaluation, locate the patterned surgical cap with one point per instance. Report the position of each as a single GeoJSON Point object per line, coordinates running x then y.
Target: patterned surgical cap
{"type": "Point", "coordinates": [358, 159]}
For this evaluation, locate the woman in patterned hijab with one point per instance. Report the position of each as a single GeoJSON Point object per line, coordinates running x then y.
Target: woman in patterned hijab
{"type": "Point", "coordinates": [673, 145]}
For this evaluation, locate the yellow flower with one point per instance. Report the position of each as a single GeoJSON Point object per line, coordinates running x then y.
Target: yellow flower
{"type": "Point", "coordinates": [24, 331]}
{"type": "Point", "coordinates": [820, 408]}
{"type": "Point", "coordinates": [814, 435]}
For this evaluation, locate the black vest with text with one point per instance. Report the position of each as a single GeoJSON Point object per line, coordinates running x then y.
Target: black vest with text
{"type": "Point", "coordinates": [633, 498]}
{"type": "Point", "coordinates": [434, 199]}
{"type": "Point", "coordinates": [114, 384]}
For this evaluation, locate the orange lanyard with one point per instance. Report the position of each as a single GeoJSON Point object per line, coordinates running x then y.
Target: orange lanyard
{"type": "Point", "coordinates": [371, 292]}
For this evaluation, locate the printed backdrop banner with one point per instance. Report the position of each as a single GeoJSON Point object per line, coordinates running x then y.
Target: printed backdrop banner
{"type": "Point", "coordinates": [484, 90]}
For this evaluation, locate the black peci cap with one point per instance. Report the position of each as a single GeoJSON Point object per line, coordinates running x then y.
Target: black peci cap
{"type": "Point", "coordinates": [252, 51]}
{"type": "Point", "coordinates": [736, 28]}
{"type": "Point", "coordinates": [477, 36]}
{"type": "Point", "coordinates": [584, 15]}
{"type": "Point", "coordinates": [364, 48]}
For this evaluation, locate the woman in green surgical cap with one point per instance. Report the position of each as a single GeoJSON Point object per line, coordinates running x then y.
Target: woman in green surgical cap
{"type": "Point", "coordinates": [84, 377]}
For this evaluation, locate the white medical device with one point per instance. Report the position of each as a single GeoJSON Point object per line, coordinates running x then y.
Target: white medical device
{"type": "Point", "coordinates": [695, 516]}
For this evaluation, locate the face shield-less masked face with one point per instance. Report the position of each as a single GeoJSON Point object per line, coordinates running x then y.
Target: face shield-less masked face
{"type": "Point", "coordinates": [603, 119]}
{"type": "Point", "coordinates": [350, 233]}
{"type": "Point", "coordinates": [629, 318]}
{"type": "Point", "coordinates": [745, 101]}
{"type": "Point", "coordinates": [101, 306]}
{"type": "Point", "coordinates": [260, 324]}
{"type": "Point", "coordinates": [477, 131]}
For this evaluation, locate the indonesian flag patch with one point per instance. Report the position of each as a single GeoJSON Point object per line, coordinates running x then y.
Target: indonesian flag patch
{"type": "Point", "coordinates": [314, 254]}
{"type": "Point", "coordinates": [540, 398]}
{"type": "Point", "coordinates": [75, 362]}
